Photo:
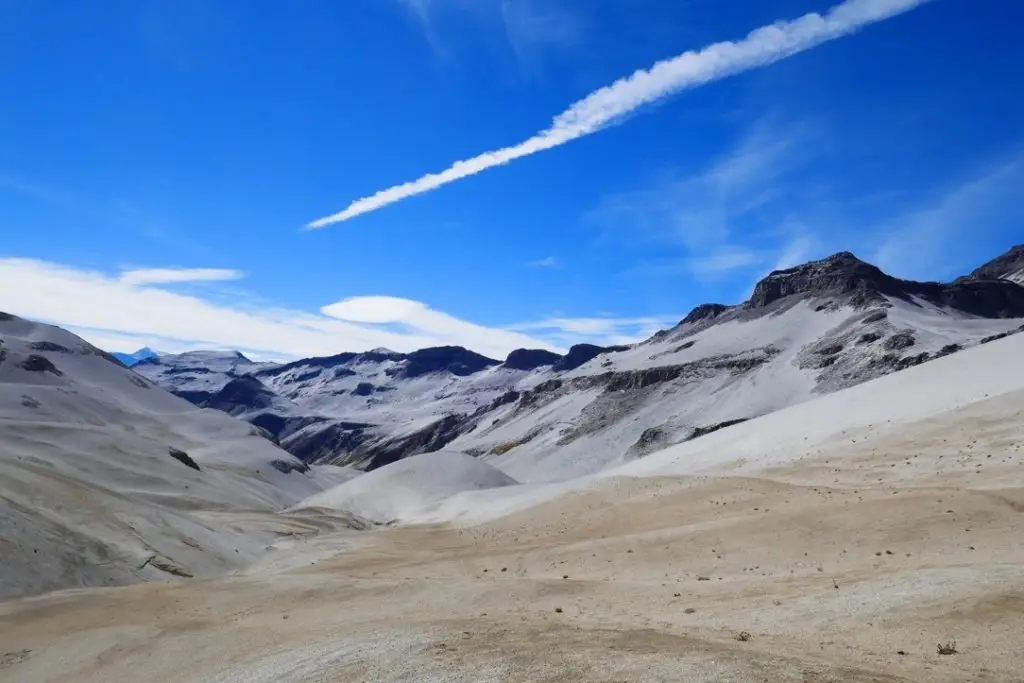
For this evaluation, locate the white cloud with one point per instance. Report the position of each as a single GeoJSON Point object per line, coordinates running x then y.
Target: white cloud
{"type": "Point", "coordinates": [602, 331]}
{"type": "Point", "coordinates": [610, 104]}
{"type": "Point", "coordinates": [729, 218]}
{"type": "Point", "coordinates": [723, 261]}
{"type": "Point", "coordinates": [157, 276]}
{"type": "Point", "coordinates": [107, 309]}
{"type": "Point", "coordinates": [546, 262]}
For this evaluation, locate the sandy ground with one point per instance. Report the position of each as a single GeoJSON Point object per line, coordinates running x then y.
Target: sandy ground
{"type": "Point", "coordinates": [849, 567]}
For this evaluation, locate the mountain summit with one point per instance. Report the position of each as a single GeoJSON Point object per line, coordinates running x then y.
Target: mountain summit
{"type": "Point", "coordinates": [811, 329]}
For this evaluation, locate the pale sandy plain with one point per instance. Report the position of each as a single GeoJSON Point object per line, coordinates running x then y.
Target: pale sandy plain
{"type": "Point", "coordinates": [849, 560]}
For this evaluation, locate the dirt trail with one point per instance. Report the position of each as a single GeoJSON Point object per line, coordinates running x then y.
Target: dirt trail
{"type": "Point", "coordinates": [852, 569]}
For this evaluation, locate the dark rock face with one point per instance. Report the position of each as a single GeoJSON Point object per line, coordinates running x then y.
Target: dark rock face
{"type": "Point", "coordinates": [577, 356]}
{"type": "Point", "coordinates": [901, 340]}
{"type": "Point", "coordinates": [363, 389]}
{"type": "Point", "coordinates": [862, 284]}
{"type": "Point", "coordinates": [48, 346]}
{"type": "Point", "coordinates": [454, 359]}
{"type": "Point", "coordinates": [1003, 335]}
{"type": "Point", "coordinates": [868, 338]}
{"type": "Point", "coordinates": [705, 312]}
{"type": "Point", "coordinates": [337, 361]}
{"type": "Point", "coordinates": [183, 458]}
{"type": "Point", "coordinates": [4, 317]}
{"type": "Point", "coordinates": [704, 431]}
{"type": "Point", "coordinates": [241, 395]}
{"type": "Point", "coordinates": [840, 274]}
{"type": "Point", "coordinates": [633, 380]}
{"type": "Point", "coordinates": [282, 427]}
{"type": "Point", "coordinates": [197, 398]}
{"type": "Point", "coordinates": [35, 363]}
{"type": "Point", "coordinates": [427, 440]}
{"type": "Point", "coordinates": [530, 359]}
{"type": "Point", "coordinates": [289, 466]}
{"type": "Point", "coordinates": [1009, 263]}
{"type": "Point", "coordinates": [327, 444]}
{"type": "Point", "coordinates": [985, 298]}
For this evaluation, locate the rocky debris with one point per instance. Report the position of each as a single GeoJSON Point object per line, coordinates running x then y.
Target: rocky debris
{"type": "Point", "coordinates": [363, 389]}
{"type": "Point", "coordinates": [541, 393]}
{"type": "Point", "coordinates": [900, 340]}
{"type": "Point", "coordinates": [876, 317]}
{"type": "Point", "coordinates": [183, 458]}
{"type": "Point", "coordinates": [9, 659]}
{"type": "Point", "coordinates": [48, 346]}
{"type": "Point", "coordinates": [530, 359]}
{"type": "Point", "coordinates": [704, 431]}
{"type": "Point", "coordinates": [37, 363]}
{"type": "Point", "coordinates": [289, 466]}
{"type": "Point", "coordinates": [868, 338]}
{"type": "Point", "coordinates": [651, 439]}
{"type": "Point", "coordinates": [632, 380]}
{"type": "Point", "coordinates": [892, 362]}
{"type": "Point", "coordinates": [1002, 335]}
{"type": "Point", "coordinates": [167, 565]}
{"type": "Point", "coordinates": [948, 349]}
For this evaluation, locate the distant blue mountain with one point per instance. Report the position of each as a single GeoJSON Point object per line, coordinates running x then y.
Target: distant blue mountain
{"type": "Point", "coordinates": [130, 359]}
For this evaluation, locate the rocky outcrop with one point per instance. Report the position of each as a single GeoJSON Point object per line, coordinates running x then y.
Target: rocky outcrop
{"type": "Point", "coordinates": [36, 363]}
{"type": "Point", "coordinates": [583, 353]}
{"type": "Point", "coordinates": [704, 312]}
{"type": "Point", "coordinates": [454, 359]}
{"type": "Point", "coordinates": [1008, 265]}
{"type": "Point", "coordinates": [432, 438]}
{"type": "Point", "coordinates": [240, 395]}
{"type": "Point", "coordinates": [183, 458]}
{"type": "Point", "coordinates": [861, 284]}
{"type": "Point", "coordinates": [530, 359]}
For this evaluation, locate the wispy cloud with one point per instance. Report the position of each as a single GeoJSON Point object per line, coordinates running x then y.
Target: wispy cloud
{"type": "Point", "coordinates": [602, 331]}
{"type": "Point", "coordinates": [546, 262]}
{"type": "Point", "coordinates": [157, 276]}
{"type": "Point", "coordinates": [610, 104]}
{"type": "Point", "coordinates": [421, 10]}
{"type": "Point", "coordinates": [530, 27]}
{"type": "Point", "coordinates": [533, 26]}
{"type": "Point", "coordinates": [947, 233]}
{"type": "Point", "coordinates": [729, 217]}
{"type": "Point", "coordinates": [107, 308]}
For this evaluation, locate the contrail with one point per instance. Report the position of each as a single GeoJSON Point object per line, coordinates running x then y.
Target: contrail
{"type": "Point", "coordinates": [603, 107]}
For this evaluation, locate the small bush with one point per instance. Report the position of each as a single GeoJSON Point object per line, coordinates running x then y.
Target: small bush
{"type": "Point", "coordinates": [947, 648]}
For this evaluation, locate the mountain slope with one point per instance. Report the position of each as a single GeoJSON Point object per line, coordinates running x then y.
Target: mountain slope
{"type": "Point", "coordinates": [1009, 266]}
{"type": "Point", "coordinates": [805, 331]}
{"type": "Point", "coordinates": [106, 478]}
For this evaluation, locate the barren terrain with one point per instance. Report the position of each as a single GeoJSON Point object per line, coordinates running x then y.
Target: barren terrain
{"type": "Point", "coordinates": [853, 566]}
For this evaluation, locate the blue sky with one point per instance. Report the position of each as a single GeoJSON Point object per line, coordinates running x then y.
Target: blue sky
{"type": "Point", "coordinates": [162, 159]}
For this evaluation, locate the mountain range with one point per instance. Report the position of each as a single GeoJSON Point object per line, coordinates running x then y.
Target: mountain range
{"type": "Point", "coordinates": [541, 416]}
